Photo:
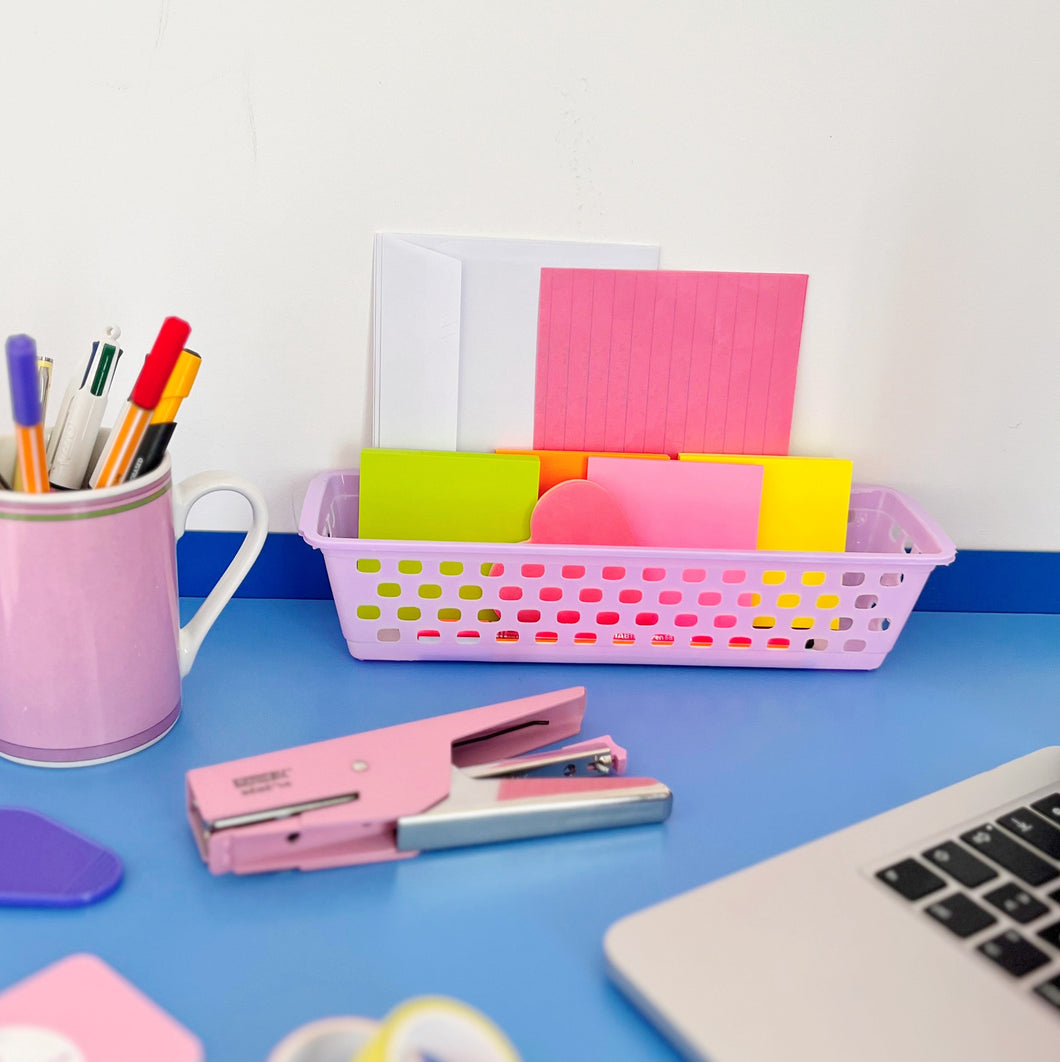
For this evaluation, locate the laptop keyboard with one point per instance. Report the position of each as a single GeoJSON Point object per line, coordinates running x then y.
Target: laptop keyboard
{"type": "Point", "coordinates": [996, 886]}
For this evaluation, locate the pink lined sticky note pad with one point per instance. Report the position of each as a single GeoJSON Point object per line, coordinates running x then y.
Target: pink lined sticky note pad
{"type": "Point", "coordinates": [669, 507]}
{"type": "Point", "coordinates": [664, 361]}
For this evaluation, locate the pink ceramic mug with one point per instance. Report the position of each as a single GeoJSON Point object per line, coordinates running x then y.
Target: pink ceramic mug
{"type": "Point", "coordinates": [91, 647]}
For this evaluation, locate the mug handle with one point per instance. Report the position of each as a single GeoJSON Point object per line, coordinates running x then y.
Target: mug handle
{"type": "Point", "coordinates": [185, 495]}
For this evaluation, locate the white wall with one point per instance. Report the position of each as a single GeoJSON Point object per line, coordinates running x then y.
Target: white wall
{"type": "Point", "coordinates": [229, 162]}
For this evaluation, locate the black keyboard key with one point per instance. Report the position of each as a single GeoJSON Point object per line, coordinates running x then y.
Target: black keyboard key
{"type": "Point", "coordinates": [959, 863]}
{"type": "Point", "coordinates": [1055, 896]}
{"type": "Point", "coordinates": [911, 879]}
{"type": "Point", "coordinates": [960, 915]}
{"type": "Point", "coordinates": [1013, 954]}
{"type": "Point", "coordinates": [1017, 904]}
{"type": "Point", "coordinates": [1051, 934]}
{"type": "Point", "coordinates": [1050, 991]}
{"type": "Point", "coordinates": [1049, 807]}
{"type": "Point", "coordinates": [1034, 830]}
{"type": "Point", "coordinates": [995, 845]}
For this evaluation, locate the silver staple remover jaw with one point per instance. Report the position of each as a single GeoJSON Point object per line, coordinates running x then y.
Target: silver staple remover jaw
{"type": "Point", "coordinates": [479, 811]}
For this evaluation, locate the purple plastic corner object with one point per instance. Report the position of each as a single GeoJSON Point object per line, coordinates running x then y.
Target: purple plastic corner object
{"type": "Point", "coordinates": [46, 864]}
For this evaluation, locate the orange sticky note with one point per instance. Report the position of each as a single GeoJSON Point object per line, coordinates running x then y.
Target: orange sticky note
{"type": "Point", "coordinates": [558, 466]}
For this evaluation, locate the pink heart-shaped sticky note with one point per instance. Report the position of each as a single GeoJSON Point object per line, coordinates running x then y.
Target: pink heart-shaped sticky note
{"type": "Point", "coordinates": [579, 513]}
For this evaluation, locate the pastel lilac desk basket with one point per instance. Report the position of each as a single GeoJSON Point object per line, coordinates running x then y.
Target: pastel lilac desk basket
{"type": "Point", "coordinates": [407, 600]}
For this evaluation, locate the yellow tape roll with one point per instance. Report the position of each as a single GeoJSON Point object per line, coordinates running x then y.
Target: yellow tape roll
{"type": "Point", "coordinates": [326, 1040]}
{"type": "Point", "coordinates": [448, 1030]}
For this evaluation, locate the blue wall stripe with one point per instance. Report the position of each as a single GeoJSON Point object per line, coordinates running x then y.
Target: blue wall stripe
{"type": "Point", "coordinates": [982, 580]}
{"type": "Point", "coordinates": [286, 566]}
{"type": "Point", "coordinates": [978, 581]}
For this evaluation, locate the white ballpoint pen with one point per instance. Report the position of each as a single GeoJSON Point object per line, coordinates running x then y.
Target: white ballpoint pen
{"type": "Point", "coordinates": [80, 420]}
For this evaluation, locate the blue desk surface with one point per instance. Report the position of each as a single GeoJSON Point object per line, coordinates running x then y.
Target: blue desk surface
{"type": "Point", "coordinates": [758, 761]}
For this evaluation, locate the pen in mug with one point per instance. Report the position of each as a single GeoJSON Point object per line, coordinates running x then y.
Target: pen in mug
{"type": "Point", "coordinates": [163, 421]}
{"type": "Point", "coordinates": [31, 469]}
{"type": "Point", "coordinates": [45, 367]}
{"type": "Point", "coordinates": [75, 437]}
{"type": "Point", "coordinates": [75, 382]}
{"type": "Point", "coordinates": [123, 441]}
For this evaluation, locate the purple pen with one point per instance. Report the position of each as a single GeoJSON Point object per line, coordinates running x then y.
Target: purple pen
{"type": "Point", "coordinates": [31, 468]}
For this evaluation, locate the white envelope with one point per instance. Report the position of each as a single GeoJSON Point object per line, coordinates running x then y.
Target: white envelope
{"type": "Point", "coordinates": [455, 335]}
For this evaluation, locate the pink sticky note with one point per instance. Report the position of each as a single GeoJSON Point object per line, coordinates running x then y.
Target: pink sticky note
{"type": "Point", "coordinates": [665, 361]}
{"type": "Point", "coordinates": [577, 512]}
{"type": "Point", "coordinates": [79, 1008]}
{"type": "Point", "coordinates": [668, 507]}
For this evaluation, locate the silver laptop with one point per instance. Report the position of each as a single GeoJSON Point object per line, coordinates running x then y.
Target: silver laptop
{"type": "Point", "coordinates": [931, 932]}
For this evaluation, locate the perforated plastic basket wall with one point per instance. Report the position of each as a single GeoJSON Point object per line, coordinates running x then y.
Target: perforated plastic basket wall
{"type": "Point", "coordinates": [592, 604]}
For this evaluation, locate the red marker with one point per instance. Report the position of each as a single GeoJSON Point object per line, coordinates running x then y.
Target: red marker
{"type": "Point", "coordinates": [124, 439]}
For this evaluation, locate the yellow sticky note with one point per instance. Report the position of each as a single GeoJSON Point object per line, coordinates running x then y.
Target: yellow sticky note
{"type": "Point", "coordinates": [444, 496]}
{"type": "Point", "coordinates": [805, 500]}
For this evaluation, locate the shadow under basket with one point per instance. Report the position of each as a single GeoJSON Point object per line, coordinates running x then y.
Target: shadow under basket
{"type": "Point", "coordinates": [409, 600]}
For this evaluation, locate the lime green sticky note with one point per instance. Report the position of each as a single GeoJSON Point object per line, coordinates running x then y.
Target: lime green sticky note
{"type": "Point", "coordinates": [805, 500]}
{"type": "Point", "coordinates": [442, 496]}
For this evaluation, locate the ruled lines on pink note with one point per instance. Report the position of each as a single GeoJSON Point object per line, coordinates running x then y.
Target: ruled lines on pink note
{"type": "Point", "coordinates": [667, 361]}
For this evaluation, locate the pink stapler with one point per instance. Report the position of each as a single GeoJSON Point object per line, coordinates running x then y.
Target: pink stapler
{"type": "Point", "coordinates": [439, 783]}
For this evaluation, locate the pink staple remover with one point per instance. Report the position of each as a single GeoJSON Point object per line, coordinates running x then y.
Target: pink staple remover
{"type": "Point", "coordinates": [440, 783]}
